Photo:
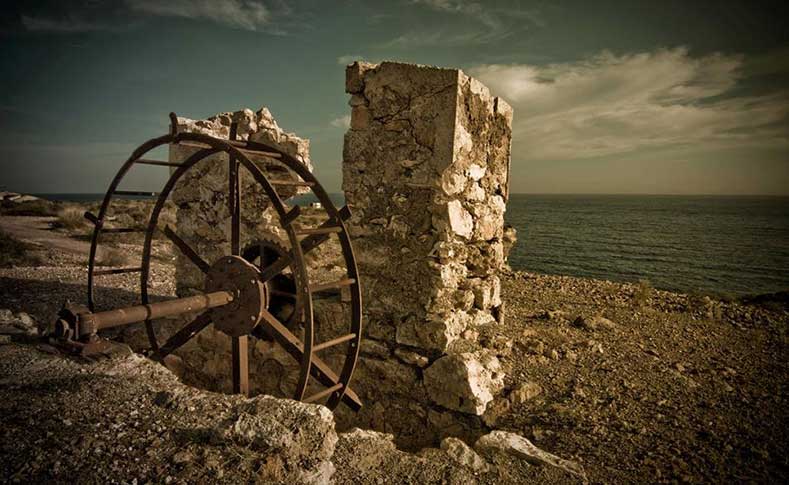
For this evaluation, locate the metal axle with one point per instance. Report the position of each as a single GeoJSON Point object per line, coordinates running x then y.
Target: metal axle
{"type": "Point", "coordinates": [83, 325]}
{"type": "Point", "coordinates": [90, 323]}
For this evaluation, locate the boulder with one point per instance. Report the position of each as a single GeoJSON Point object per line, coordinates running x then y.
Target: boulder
{"type": "Point", "coordinates": [465, 382]}
{"type": "Point", "coordinates": [301, 435]}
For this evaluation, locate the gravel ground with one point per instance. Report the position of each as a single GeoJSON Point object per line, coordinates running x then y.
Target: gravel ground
{"type": "Point", "coordinates": [672, 388]}
{"type": "Point", "coordinates": [664, 388]}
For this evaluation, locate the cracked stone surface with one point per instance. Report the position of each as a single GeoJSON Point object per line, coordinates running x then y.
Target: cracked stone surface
{"type": "Point", "coordinates": [425, 172]}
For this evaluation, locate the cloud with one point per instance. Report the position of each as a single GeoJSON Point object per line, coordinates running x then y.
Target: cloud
{"type": "Point", "coordinates": [243, 14]}
{"type": "Point", "coordinates": [445, 38]}
{"type": "Point", "coordinates": [67, 25]}
{"type": "Point", "coordinates": [341, 122]}
{"type": "Point", "coordinates": [348, 59]}
{"type": "Point", "coordinates": [610, 104]}
{"type": "Point", "coordinates": [73, 16]}
{"type": "Point", "coordinates": [480, 23]}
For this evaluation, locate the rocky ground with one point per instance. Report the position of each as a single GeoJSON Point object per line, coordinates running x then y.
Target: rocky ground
{"type": "Point", "coordinates": [631, 384]}
{"type": "Point", "coordinates": [641, 385]}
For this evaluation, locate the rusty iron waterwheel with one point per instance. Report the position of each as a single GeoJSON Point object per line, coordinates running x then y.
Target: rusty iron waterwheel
{"type": "Point", "coordinates": [262, 278]}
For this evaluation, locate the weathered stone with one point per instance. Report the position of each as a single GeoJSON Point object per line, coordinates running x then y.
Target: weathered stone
{"type": "Point", "coordinates": [369, 457]}
{"type": "Point", "coordinates": [464, 382]}
{"type": "Point", "coordinates": [495, 410]}
{"type": "Point", "coordinates": [516, 445]}
{"type": "Point", "coordinates": [17, 324]}
{"type": "Point", "coordinates": [460, 221]}
{"type": "Point", "coordinates": [176, 365]}
{"type": "Point", "coordinates": [438, 333]}
{"type": "Point", "coordinates": [595, 322]}
{"type": "Point", "coordinates": [410, 357]}
{"type": "Point", "coordinates": [463, 454]}
{"type": "Point", "coordinates": [487, 292]}
{"type": "Point", "coordinates": [400, 379]}
{"type": "Point", "coordinates": [375, 348]}
{"type": "Point", "coordinates": [509, 239]}
{"type": "Point", "coordinates": [525, 392]}
{"type": "Point", "coordinates": [301, 435]}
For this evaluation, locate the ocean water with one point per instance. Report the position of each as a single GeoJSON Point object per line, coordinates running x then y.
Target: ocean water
{"type": "Point", "coordinates": [733, 245]}
{"type": "Point", "coordinates": [719, 244]}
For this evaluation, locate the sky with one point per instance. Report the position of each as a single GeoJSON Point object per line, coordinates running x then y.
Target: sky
{"type": "Point", "coordinates": [657, 97]}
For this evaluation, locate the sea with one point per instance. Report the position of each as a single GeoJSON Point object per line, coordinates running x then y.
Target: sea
{"type": "Point", "coordinates": [725, 245]}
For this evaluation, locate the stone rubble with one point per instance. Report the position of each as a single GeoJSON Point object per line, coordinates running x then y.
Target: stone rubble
{"type": "Point", "coordinates": [17, 323]}
{"type": "Point", "coordinates": [464, 454]}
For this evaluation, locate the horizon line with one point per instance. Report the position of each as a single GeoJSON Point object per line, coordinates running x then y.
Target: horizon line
{"type": "Point", "coordinates": [511, 193]}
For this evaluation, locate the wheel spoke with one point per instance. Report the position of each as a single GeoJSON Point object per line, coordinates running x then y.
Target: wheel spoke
{"type": "Point", "coordinates": [183, 335]}
{"type": "Point", "coordinates": [186, 250]}
{"type": "Point", "coordinates": [234, 199]}
{"type": "Point", "coordinates": [241, 365]}
{"type": "Point", "coordinates": [307, 244]}
{"type": "Point", "coordinates": [320, 370]}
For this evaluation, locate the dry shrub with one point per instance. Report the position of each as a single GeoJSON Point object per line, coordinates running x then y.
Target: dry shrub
{"type": "Point", "coordinates": [14, 252]}
{"type": "Point", "coordinates": [643, 293]}
{"type": "Point", "coordinates": [71, 218]}
{"type": "Point", "coordinates": [31, 208]}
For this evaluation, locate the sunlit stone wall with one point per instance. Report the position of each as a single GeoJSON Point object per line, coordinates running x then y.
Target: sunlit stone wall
{"type": "Point", "coordinates": [425, 172]}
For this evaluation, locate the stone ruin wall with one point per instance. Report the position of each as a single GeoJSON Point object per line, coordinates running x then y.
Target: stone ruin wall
{"type": "Point", "coordinates": [425, 172]}
{"type": "Point", "coordinates": [203, 221]}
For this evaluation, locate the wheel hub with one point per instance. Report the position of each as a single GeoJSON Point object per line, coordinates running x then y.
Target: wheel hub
{"type": "Point", "coordinates": [240, 278]}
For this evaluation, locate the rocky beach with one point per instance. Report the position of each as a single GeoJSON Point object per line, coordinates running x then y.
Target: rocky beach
{"type": "Point", "coordinates": [605, 383]}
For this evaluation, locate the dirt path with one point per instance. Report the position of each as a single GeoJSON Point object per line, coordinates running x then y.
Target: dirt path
{"type": "Point", "coordinates": [38, 231]}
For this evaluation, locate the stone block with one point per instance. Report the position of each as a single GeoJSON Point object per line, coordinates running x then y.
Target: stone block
{"type": "Point", "coordinates": [465, 382]}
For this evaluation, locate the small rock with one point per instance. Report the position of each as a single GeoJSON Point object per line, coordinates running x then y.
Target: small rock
{"type": "Point", "coordinates": [412, 358]}
{"type": "Point", "coordinates": [594, 323]}
{"type": "Point", "coordinates": [375, 348]}
{"type": "Point", "coordinates": [176, 365]}
{"type": "Point", "coordinates": [495, 410]}
{"type": "Point", "coordinates": [183, 457]}
{"type": "Point", "coordinates": [470, 334]}
{"type": "Point", "coordinates": [162, 398]}
{"type": "Point", "coordinates": [553, 315]}
{"type": "Point", "coordinates": [535, 347]}
{"type": "Point", "coordinates": [551, 354]}
{"type": "Point", "coordinates": [516, 445]}
{"type": "Point", "coordinates": [5, 339]}
{"type": "Point", "coordinates": [525, 392]}
{"type": "Point", "coordinates": [463, 454]}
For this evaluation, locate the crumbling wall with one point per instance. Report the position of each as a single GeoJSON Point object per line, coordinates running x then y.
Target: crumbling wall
{"type": "Point", "coordinates": [425, 172]}
{"type": "Point", "coordinates": [203, 222]}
